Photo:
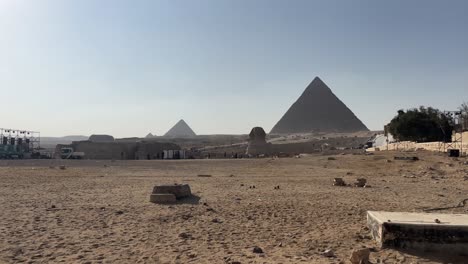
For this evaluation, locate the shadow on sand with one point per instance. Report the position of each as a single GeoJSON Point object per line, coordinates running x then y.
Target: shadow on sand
{"type": "Point", "coordinates": [193, 199]}
{"type": "Point", "coordinates": [440, 257]}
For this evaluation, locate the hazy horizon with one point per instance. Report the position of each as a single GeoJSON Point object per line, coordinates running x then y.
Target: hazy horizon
{"type": "Point", "coordinates": [129, 68]}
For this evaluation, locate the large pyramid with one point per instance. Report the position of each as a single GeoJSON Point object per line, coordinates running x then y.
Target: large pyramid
{"type": "Point", "coordinates": [318, 110]}
{"type": "Point", "coordinates": [181, 130]}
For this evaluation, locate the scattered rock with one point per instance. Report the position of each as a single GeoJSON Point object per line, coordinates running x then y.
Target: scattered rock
{"type": "Point", "coordinates": [331, 158]}
{"type": "Point", "coordinates": [204, 175]}
{"type": "Point", "coordinates": [414, 158]}
{"type": "Point", "coordinates": [328, 253]}
{"type": "Point", "coordinates": [338, 182]}
{"type": "Point", "coordinates": [119, 212]}
{"type": "Point", "coordinates": [185, 235]}
{"type": "Point", "coordinates": [216, 220]}
{"type": "Point", "coordinates": [360, 182]}
{"type": "Point", "coordinates": [257, 250]}
{"type": "Point", "coordinates": [277, 187]}
{"type": "Point", "coordinates": [186, 217]}
{"type": "Point", "coordinates": [360, 256]}
{"type": "Point", "coordinates": [62, 167]}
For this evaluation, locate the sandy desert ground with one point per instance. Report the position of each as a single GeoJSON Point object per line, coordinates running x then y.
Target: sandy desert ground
{"type": "Point", "coordinates": [99, 211]}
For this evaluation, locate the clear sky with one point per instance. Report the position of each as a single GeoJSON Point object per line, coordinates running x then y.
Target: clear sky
{"type": "Point", "coordinates": [127, 68]}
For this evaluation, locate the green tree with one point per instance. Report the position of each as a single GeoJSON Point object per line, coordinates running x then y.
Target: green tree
{"type": "Point", "coordinates": [421, 125]}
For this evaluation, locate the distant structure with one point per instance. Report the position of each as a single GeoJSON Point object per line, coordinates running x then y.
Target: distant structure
{"type": "Point", "coordinates": [101, 138]}
{"type": "Point", "coordinates": [150, 136]}
{"type": "Point", "coordinates": [257, 142]}
{"type": "Point", "coordinates": [116, 150]}
{"type": "Point", "coordinates": [180, 130]}
{"type": "Point", "coordinates": [18, 144]}
{"type": "Point", "coordinates": [318, 110]}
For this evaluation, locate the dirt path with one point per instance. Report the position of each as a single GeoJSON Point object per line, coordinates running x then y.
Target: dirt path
{"type": "Point", "coordinates": [98, 211]}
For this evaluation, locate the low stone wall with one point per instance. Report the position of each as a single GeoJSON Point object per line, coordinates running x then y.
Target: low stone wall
{"type": "Point", "coordinates": [105, 150]}
{"type": "Point", "coordinates": [429, 146]}
{"type": "Point", "coordinates": [315, 146]}
{"type": "Point", "coordinates": [153, 150]}
{"type": "Point", "coordinates": [119, 150]}
{"type": "Point", "coordinates": [463, 136]}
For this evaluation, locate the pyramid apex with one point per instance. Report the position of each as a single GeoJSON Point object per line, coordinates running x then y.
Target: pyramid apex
{"type": "Point", "coordinates": [317, 85]}
{"type": "Point", "coordinates": [317, 81]}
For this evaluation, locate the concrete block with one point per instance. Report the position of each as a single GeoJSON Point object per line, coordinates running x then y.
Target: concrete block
{"type": "Point", "coordinates": [179, 190]}
{"type": "Point", "coordinates": [443, 233]}
{"type": "Point", "coordinates": [162, 198]}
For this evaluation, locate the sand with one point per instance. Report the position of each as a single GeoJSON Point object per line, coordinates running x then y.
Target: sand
{"type": "Point", "coordinates": [99, 211]}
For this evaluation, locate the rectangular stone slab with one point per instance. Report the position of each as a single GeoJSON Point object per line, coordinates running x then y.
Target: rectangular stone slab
{"type": "Point", "coordinates": [179, 190]}
{"type": "Point", "coordinates": [163, 198]}
{"type": "Point", "coordinates": [420, 231]}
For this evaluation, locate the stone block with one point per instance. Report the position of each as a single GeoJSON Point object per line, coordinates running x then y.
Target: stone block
{"type": "Point", "coordinates": [179, 190]}
{"type": "Point", "coordinates": [163, 198]}
{"type": "Point", "coordinates": [441, 233]}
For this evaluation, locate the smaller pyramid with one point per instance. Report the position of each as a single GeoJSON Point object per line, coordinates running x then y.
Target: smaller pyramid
{"type": "Point", "coordinates": [180, 130]}
{"type": "Point", "coordinates": [150, 135]}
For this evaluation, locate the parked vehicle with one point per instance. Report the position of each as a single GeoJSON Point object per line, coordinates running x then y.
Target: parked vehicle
{"type": "Point", "coordinates": [70, 153]}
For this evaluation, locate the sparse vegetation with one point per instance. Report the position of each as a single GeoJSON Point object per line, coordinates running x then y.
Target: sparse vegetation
{"type": "Point", "coordinates": [421, 125]}
{"type": "Point", "coordinates": [464, 110]}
